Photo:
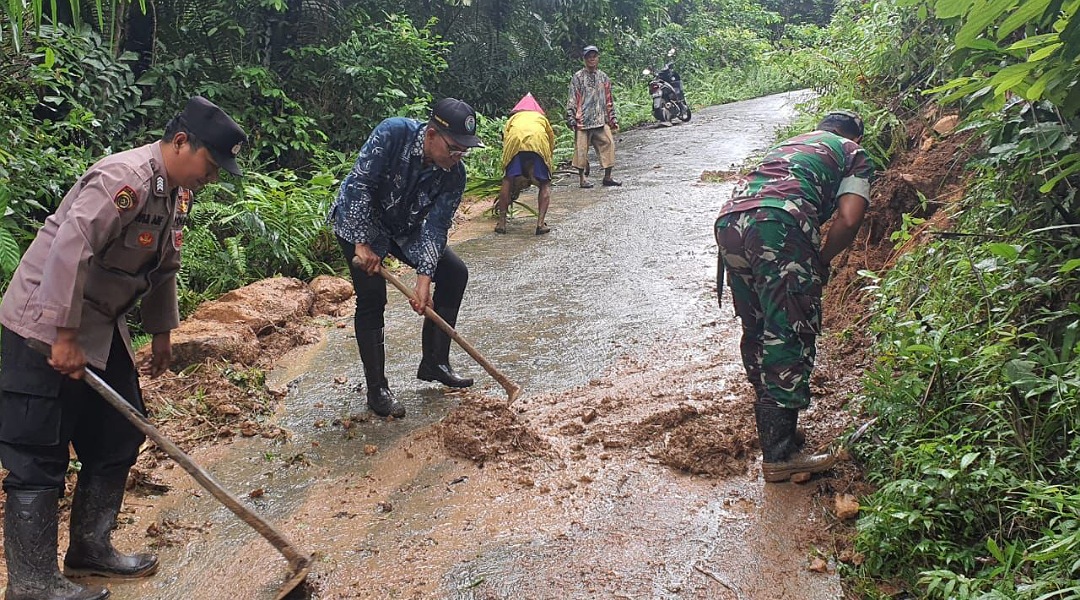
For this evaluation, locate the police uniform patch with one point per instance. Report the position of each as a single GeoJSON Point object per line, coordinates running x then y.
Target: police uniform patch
{"type": "Point", "coordinates": [183, 201]}
{"type": "Point", "coordinates": [159, 185]}
{"type": "Point", "coordinates": [125, 199]}
{"type": "Point", "coordinates": [146, 239]}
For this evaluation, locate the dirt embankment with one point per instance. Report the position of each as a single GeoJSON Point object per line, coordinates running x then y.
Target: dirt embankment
{"type": "Point", "coordinates": [924, 180]}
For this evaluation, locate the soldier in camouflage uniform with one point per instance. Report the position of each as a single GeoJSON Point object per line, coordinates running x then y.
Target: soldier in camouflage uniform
{"type": "Point", "coordinates": [769, 239]}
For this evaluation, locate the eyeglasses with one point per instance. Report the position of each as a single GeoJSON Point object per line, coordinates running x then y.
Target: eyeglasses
{"type": "Point", "coordinates": [453, 149]}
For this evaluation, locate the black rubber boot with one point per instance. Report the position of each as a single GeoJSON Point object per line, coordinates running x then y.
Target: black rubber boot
{"type": "Point", "coordinates": [93, 517]}
{"type": "Point", "coordinates": [435, 366]}
{"type": "Point", "coordinates": [781, 442]}
{"type": "Point", "coordinates": [30, 525]}
{"type": "Point", "coordinates": [380, 399]}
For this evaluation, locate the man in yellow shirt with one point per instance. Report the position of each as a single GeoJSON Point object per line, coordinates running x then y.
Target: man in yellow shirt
{"type": "Point", "coordinates": [528, 146]}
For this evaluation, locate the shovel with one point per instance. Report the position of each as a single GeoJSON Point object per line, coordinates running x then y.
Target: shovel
{"type": "Point", "coordinates": [299, 563]}
{"type": "Point", "coordinates": [512, 389]}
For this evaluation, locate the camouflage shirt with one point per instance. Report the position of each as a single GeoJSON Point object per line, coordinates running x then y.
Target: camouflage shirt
{"type": "Point", "coordinates": [804, 176]}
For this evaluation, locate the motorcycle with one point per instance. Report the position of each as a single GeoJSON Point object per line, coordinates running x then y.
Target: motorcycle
{"type": "Point", "coordinates": [666, 90]}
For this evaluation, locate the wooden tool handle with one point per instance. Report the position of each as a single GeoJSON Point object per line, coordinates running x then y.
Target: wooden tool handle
{"type": "Point", "coordinates": [297, 560]}
{"type": "Point", "coordinates": [512, 389]}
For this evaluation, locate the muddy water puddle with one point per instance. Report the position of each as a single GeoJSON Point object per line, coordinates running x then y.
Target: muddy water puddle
{"type": "Point", "coordinates": [610, 324]}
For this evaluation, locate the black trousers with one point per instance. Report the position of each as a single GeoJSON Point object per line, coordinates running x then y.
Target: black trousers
{"type": "Point", "coordinates": [451, 277]}
{"type": "Point", "coordinates": [42, 411]}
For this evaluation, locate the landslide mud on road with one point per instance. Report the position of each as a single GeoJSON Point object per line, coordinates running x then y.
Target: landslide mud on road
{"type": "Point", "coordinates": [628, 469]}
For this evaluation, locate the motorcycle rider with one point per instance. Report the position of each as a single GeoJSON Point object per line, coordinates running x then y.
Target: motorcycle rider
{"type": "Point", "coordinates": [669, 75]}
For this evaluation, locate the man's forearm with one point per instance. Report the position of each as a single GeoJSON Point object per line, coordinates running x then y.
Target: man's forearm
{"type": "Point", "coordinates": [840, 237]}
{"type": "Point", "coordinates": [849, 217]}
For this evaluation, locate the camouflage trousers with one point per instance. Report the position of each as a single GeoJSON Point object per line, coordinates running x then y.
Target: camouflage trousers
{"type": "Point", "coordinates": [775, 275]}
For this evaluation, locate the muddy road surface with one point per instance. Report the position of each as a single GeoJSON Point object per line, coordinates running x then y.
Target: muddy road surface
{"type": "Point", "coordinates": [628, 468]}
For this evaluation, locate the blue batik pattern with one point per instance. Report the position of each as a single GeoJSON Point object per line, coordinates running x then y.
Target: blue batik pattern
{"type": "Point", "coordinates": [391, 194]}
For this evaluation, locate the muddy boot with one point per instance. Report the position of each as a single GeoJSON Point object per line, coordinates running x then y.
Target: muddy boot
{"type": "Point", "coordinates": [30, 525]}
{"type": "Point", "coordinates": [435, 366]}
{"type": "Point", "coordinates": [93, 517]}
{"type": "Point", "coordinates": [781, 442]}
{"type": "Point", "coordinates": [380, 399]}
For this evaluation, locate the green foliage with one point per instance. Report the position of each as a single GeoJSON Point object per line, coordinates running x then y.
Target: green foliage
{"type": "Point", "coordinates": [280, 131]}
{"type": "Point", "coordinates": [817, 12]}
{"type": "Point", "coordinates": [10, 234]}
{"type": "Point", "coordinates": [976, 381]}
{"type": "Point", "coordinates": [271, 224]}
{"type": "Point", "coordinates": [62, 104]}
{"type": "Point", "coordinates": [908, 224]}
{"type": "Point", "coordinates": [882, 52]}
{"type": "Point", "coordinates": [977, 386]}
{"type": "Point", "coordinates": [1002, 49]}
{"type": "Point", "coordinates": [484, 165]}
{"type": "Point", "coordinates": [381, 69]}
{"type": "Point", "coordinates": [78, 74]}
{"type": "Point", "coordinates": [1029, 51]}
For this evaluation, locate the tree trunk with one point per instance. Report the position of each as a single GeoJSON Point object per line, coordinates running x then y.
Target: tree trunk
{"type": "Point", "coordinates": [139, 33]}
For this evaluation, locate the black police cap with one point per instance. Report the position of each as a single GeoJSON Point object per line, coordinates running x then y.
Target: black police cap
{"type": "Point", "coordinates": [216, 130]}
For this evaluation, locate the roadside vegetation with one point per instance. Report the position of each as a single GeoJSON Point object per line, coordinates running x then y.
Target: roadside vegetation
{"type": "Point", "coordinates": [976, 379]}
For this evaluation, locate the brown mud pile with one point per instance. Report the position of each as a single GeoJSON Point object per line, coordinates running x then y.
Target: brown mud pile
{"type": "Point", "coordinates": [714, 439]}
{"type": "Point", "coordinates": [217, 388]}
{"type": "Point", "coordinates": [482, 428]}
{"type": "Point", "coordinates": [713, 445]}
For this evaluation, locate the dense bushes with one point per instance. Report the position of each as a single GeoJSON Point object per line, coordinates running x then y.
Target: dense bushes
{"type": "Point", "coordinates": [976, 383]}
{"type": "Point", "coordinates": [64, 102]}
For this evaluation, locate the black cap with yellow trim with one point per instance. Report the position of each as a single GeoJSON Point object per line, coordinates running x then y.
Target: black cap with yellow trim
{"type": "Point", "coordinates": [457, 120]}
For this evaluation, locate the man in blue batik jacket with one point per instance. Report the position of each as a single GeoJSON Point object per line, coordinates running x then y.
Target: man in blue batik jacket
{"type": "Point", "coordinates": [399, 199]}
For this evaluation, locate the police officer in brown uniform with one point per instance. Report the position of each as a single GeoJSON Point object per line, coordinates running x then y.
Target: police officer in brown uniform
{"type": "Point", "coordinates": [113, 242]}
